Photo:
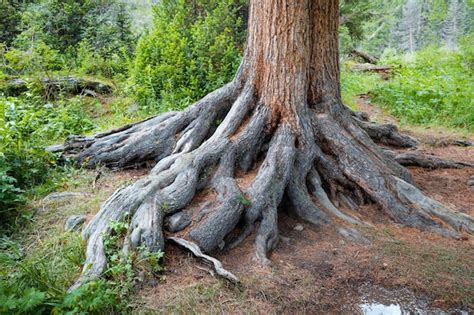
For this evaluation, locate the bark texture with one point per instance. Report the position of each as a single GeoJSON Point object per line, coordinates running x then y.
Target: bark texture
{"type": "Point", "coordinates": [277, 133]}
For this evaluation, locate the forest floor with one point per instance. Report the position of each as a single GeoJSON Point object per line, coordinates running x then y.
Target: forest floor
{"type": "Point", "coordinates": [317, 271]}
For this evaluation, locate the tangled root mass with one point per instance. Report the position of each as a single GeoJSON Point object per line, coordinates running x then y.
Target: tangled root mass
{"type": "Point", "coordinates": [223, 167]}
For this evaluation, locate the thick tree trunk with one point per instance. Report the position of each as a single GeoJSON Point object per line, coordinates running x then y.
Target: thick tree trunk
{"type": "Point", "coordinates": [284, 134]}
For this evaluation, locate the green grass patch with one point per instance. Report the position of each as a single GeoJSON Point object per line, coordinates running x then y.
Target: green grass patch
{"type": "Point", "coordinates": [354, 84]}
{"type": "Point", "coordinates": [433, 87]}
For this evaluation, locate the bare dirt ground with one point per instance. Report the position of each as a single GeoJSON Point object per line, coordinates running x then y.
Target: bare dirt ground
{"type": "Point", "coordinates": [318, 272]}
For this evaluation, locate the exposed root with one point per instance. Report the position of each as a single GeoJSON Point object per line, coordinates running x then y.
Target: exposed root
{"type": "Point", "coordinates": [386, 134]}
{"type": "Point", "coordinates": [425, 161]}
{"type": "Point", "coordinates": [369, 172]}
{"type": "Point", "coordinates": [316, 189]}
{"type": "Point", "coordinates": [198, 253]}
{"type": "Point", "coordinates": [154, 138]}
{"type": "Point", "coordinates": [301, 202]}
{"type": "Point", "coordinates": [209, 233]}
{"type": "Point", "coordinates": [266, 191]}
{"type": "Point", "coordinates": [326, 166]}
{"type": "Point", "coordinates": [459, 221]}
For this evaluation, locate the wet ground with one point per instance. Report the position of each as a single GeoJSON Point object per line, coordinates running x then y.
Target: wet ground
{"type": "Point", "coordinates": [376, 300]}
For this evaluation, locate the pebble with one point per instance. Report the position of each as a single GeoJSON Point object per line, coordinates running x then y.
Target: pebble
{"type": "Point", "coordinates": [298, 228]}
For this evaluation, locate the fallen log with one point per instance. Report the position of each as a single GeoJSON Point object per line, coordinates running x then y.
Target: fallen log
{"type": "Point", "coordinates": [52, 86]}
{"type": "Point", "coordinates": [370, 67]}
{"type": "Point", "coordinates": [365, 56]}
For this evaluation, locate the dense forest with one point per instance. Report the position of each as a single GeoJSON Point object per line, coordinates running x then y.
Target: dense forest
{"type": "Point", "coordinates": [76, 67]}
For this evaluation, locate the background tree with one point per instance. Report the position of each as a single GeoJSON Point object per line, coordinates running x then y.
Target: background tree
{"type": "Point", "coordinates": [63, 25]}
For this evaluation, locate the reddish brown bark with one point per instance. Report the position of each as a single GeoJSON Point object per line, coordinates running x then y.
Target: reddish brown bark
{"type": "Point", "coordinates": [292, 54]}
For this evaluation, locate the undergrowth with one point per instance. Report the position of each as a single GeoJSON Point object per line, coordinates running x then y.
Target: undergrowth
{"type": "Point", "coordinates": [433, 87]}
{"type": "Point", "coordinates": [36, 281]}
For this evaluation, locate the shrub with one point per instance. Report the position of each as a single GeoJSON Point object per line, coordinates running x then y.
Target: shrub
{"type": "Point", "coordinates": [38, 58]}
{"type": "Point", "coordinates": [27, 125]}
{"type": "Point", "coordinates": [189, 52]}
{"type": "Point", "coordinates": [37, 283]}
{"type": "Point", "coordinates": [434, 87]}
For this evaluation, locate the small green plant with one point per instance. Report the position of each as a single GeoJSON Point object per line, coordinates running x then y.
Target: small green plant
{"type": "Point", "coordinates": [243, 200]}
{"type": "Point", "coordinates": [37, 282]}
{"type": "Point", "coordinates": [150, 260]}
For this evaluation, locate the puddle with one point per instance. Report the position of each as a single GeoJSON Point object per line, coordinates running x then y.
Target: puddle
{"type": "Point", "coordinates": [394, 309]}
{"type": "Point", "coordinates": [377, 300]}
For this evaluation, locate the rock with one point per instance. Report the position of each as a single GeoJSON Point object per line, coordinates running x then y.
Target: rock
{"type": "Point", "coordinates": [62, 196]}
{"type": "Point", "coordinates": [470, 182]}
{"type": "Point", "coordinates": [298, 228]}
{"type": "Point", "coordinates": [74, 223]}
{"type": "Point", "coordinates": [178, 221]}
{"type": "Point", "coordinates": [384, 266]}
{"type": "Point", "coordinates": [133, 108]}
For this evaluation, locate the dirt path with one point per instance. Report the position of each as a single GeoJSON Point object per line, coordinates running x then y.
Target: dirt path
{"type": "Point", "coordinates": [316, 271]}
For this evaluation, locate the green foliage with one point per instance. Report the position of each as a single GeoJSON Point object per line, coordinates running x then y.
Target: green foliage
{"type": "Point", "coordinates": [38, 59]}
{"type": "Point", "coordinates": [37, 282]}
{"type": "Point", "coordinates": [189, 52]}
{"type": "Point", "coordinates": [244, 201]}
{"type": "Point", "coordinates": [27, 125]}
{"type": "Point", "coordinates": [355, 83]}
{"type": "Point", "coordinates": [10, 16]}
{"type": "Point", "coordinates": [63, 25]}
{"type": "Point", "coordinates": [434, 88]}
{"type": "Point", "coordinates": [88, 37]}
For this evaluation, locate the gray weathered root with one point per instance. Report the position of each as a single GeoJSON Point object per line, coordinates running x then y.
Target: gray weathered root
{"type": "Point", "coordinates": [221, 271]}
{"type": "Point", "coordinates": [242, 169]}
{"type": "Point", "coordinates": [425, 161]}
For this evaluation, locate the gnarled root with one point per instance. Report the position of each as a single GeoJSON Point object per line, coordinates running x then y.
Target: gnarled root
{"type": "Point", "coordinates": [425, 161]}
{"type": "Point", "coordinates": [326, 166]}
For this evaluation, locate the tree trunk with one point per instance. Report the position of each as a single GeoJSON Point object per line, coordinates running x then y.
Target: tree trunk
{"type": "Point", "coordinates": [285, 134]}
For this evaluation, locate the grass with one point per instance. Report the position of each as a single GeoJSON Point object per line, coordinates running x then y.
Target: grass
{"type": "Point", "coordinates": [216, 297]}
{"type": "Point", "coordinates": [355, 83]}
{"type": "Point", "coordinates": [40, 258]}
{"type": "Point", "coordinates": [435, 87]}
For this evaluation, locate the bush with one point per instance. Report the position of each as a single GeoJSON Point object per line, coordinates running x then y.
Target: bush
{"type": "Point", "coordinates": [37, 283]}
{"type": "Point", "coordinates": [10, 15]}
{"type": "Point", "coordinates": [27, 125]}
{"type": "Point", "coordinates": [433, 88]}
{"type": "Point", "coordinates": [188, 53]}
{"type": "Point", "coordinates": [39, 58]}
{"type": "Point", "coordinates": [89, 37]}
